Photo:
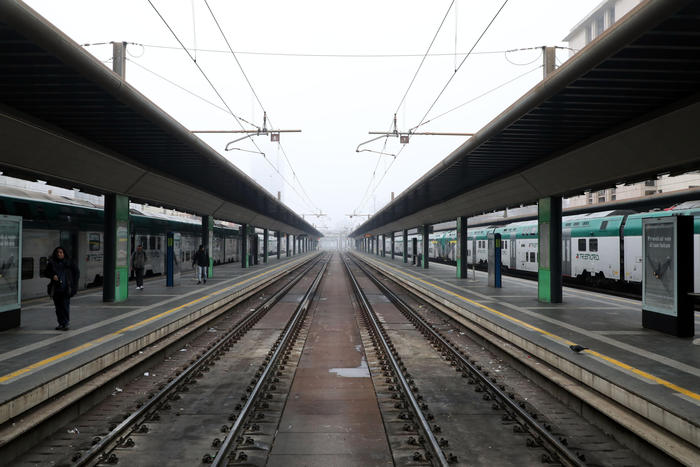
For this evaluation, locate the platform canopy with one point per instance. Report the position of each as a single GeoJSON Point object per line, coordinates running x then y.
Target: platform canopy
{"type": "Point", "coordinates": [624, 109]}
{"type": "Point", "coordinates": [67, 119]}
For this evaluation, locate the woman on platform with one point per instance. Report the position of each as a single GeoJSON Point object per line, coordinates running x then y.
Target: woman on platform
{"type": "Point", "coordinates": [63, 285]}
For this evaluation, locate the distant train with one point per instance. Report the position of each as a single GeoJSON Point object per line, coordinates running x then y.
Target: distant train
{"type": "Point", "coordinates": [50, 220]}
{"type": "Point", "coordinates": [603, 248]}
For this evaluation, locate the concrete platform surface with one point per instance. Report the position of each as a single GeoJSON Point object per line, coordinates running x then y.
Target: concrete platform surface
{"type": "Point", "coordinates": [654, 375]}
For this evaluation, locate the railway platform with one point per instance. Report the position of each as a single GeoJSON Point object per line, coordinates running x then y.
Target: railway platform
{"type": "Point", "coordinates": [37, 362]}
{"type": "Point", "coordinates": [643, 379]}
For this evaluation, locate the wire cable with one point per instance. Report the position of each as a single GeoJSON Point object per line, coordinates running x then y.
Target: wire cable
{"type": "Point", "coordinates": [237, 118]}
{"type": "Point", "coordinates": [257, 98]}
{"type": "Point", "coordinates": [539, 67]}
{"type": "Point", "coordinates": [177, 85]}
{"type": "Point", "coordinates": [424, 57]}
{"type": "Point", "coordinates": [234, 55]}
{"type": "Point", "coordinates": [460, 65]}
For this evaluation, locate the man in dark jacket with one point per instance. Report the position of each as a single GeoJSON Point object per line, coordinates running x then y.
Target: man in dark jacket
{"type": "Point", "coordinates": [201, 260]}
{"type": "Point", "coordinates": [64, 277]}
{"type": "Point", "coordinates": [138, 262]}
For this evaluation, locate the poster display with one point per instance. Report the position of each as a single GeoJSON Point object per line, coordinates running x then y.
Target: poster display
{"type": "Point", "coordinates": [10, 262]}
{"type": "Point", "coordinates": [660, 293]}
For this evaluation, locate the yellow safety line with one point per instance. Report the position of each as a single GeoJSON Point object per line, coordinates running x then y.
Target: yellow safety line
{"type": "Point", "coordinates": [53, 358]}
{"type": "Point", "coordinates": [634, 370]}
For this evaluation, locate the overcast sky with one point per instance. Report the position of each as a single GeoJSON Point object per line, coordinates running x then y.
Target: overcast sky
{"type": "Point", "coordinates": [335, 70]}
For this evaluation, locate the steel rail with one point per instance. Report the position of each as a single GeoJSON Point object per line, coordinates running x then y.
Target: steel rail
{"type": "Point", "coordinates": [425, 425]}
{"type": "Point", "coordinates": [296, 320]}
{"type": "Point", "coordinates": [115, 436]}
{"type": "Point", "coordinates": [563, 453]}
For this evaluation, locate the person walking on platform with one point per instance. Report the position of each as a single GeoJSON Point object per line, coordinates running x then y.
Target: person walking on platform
{"type": "Point", "coordinates": [201, 260]}
{"type": "Point", "coordinates": [64, 277]}
{"type": "Point", "coordinates": [138, 262]}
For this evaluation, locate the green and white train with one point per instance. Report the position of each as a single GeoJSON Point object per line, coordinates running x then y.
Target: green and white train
{"type": "Point", "coordinates": [50, 220]}
{"type": "Point", "coordinates": [597, 248]}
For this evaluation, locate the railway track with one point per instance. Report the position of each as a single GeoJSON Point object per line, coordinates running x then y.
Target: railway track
{"type": "Point", "coordinates": [269, 391]}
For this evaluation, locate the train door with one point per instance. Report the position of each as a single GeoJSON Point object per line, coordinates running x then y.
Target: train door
{"type": "Point", "coordinates": [513, 247]}
{"type": "Point", "coordinates": [566, 252]}
{"type": "Point", "coordinates": [69, 241]}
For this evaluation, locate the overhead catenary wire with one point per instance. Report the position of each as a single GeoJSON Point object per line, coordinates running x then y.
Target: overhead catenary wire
{"type": "Point", "coordinates": [403, 99]}
{"type": "Point", "coordinates": [216, 91]}
{"type": "Point", "coordinates": [420, 65]}
{"type": "Point", "coordinates": [329, 55]}
{"type": "Point", "coordinates": [148, 70]}
{"type": "Point", "coordinates": [257, 98]}
{"type": "Point", "coordinates": [368, 195]}
{"type": "Point", "coordinates": [460, 65]}
{"type": "Point", "coordinates": [539, 67]}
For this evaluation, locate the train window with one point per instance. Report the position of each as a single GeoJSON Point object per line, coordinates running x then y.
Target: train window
{"type": "Point", "coordinates": [505, 244]}
{"type": "Point", "coordinates": [94, 241]}
{"type": "Point", "coordinates": [603, 225]}
{"type": "Point", "coordinates": [576, 223]}
{"type": "Point", "coordinates": [152, 243]}
{"type": "Point", "coordinates": [158, 242]}
{"type": "Point", "coordinates": [532, 256]}
{"type": "Point", "coordinates": [143, 241]}
{"type": "Point", "coordinates": [593, 244]}
{"type": "Point", "coordinates": [42, 266]}
{"type": "Point", "coordinates": [27, 268]}
{"type": "Point", "coordinates": [582, 244]}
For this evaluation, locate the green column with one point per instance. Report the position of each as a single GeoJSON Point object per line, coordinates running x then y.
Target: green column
{"type": "Point", "coordinates": [278, 234]}
{"type": "Point", "coordinates": [426, 244]}
{"type": "Point", "coordinates": [392, 245]}
{"type": "Point", "coordinates": [243, 234]}
{"type": "Point", "coordinates": [461, 253]}
{"type": "Point", "coordinates": [549, 281]}
{"type": "Point", "coordinates": [117, 253]}
{"type": "Point", "coordinates": [405, 245]}
{"type": "Point", "coordinates": [208, 241]}
{"type": "Point", "coordinates": [266, 238]}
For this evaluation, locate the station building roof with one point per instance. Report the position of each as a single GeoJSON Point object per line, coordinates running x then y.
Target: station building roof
{"type": "Point", "coordinates": [67, 119]}
{"type": "Point", "coordinates": [623, 109]}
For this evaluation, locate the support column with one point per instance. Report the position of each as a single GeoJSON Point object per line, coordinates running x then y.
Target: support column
{"type": "Point", "coordinates": [405, 245]}
{"type": "Point", "coordinates": [116, 248]}
{"type": "Point", "coordinates": [294, 246]}
{"type": "Point", "coordinates": [266, 238]}
{"type": "Point", "coordinates": [462, 260]}
{"type": "Point", "coordinates": [425, 230]}
{"type": "Point", "coordinates": [243, 234]}
{"type": "Point", "coordinates": [414, 249]}
{"type": "Point", "coordinates": [549, 281]}
{"type": "Point", "coordinates": [392, 245]}
{"type": "Point", "coordinates": [383, 245]}
{"type": "Point", "coordinates": [208, 242]}
{"type": "Point", "coordinates": [278, 235]}
{"type": "Point", "coordinates": [286, 249]}
{"type": "Point", "coordinates": [256, 246]}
